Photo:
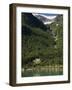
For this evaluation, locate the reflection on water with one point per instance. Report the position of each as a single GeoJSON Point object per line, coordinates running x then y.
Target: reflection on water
{"type": "Point", "coordinates": [42, 71]}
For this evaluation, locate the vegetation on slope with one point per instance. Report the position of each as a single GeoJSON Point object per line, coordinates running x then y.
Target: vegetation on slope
{"type": "Point", "coordinates": [38, 41]}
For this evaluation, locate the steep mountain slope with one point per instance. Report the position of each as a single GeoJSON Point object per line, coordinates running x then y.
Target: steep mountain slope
{"type": "Point", "coordinates": [46, 19]}
{"type": "Point", "coordinates": [37, 39]}
{"type": "Point", "coordinates": [29, 19]}
{"type": "Point", "coordinates": [57, 28]}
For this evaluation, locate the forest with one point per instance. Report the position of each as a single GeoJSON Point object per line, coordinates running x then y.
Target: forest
{"type": "Point", "coordinates": [42, 45]}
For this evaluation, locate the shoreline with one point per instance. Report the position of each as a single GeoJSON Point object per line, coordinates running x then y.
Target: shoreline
{"type": "Point", "coordinates": [42, 68]}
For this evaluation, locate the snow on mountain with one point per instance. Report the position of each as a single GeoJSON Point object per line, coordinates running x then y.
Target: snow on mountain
{"type": "Point", "coordinates": [46, 19]}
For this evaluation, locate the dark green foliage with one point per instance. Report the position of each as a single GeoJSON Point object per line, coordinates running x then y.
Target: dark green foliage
{"type": "Point", "coordinates": [39, 42]}
{"type": "Point", "coordinates": [57, 28]}
{"type": "Point", "coordinates": [29, 19]}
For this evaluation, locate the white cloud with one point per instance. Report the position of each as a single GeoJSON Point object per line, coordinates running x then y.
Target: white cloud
{"type": "Point", "coordinates": [48, 17]}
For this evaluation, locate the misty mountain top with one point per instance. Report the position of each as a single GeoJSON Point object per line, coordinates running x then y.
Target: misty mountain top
{"type": "Point", "coordinates": [45, 18]}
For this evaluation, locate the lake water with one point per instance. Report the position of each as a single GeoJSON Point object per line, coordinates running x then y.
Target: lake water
{"type": "Point", "coordinates": [42, 72]}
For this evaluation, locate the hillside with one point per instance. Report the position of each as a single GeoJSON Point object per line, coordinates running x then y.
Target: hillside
{"type": "Point", "coordinates": [57, 28]}
{"type": "Point", "coordinates": [38, 41]}
{"type": "Point", "coordinates": [29, 19]}
{"type": "Point", "coordinates": [46, 19]}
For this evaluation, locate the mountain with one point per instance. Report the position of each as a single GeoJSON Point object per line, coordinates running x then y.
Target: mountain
{"type": "Point", "coordinates": [57, 28]}
{"type": "Point", "coordinates": [37, 39]}
{"type": "Point", "coordinates": [45, 19]}
{"type": "Point", "coordinates": [29, 19]}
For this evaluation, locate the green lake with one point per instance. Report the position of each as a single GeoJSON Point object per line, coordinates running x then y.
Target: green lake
{"type": "Point", "coordinates": [42, 71]}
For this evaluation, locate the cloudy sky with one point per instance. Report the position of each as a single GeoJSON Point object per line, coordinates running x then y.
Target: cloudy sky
{"type": "Point", "coordinates": [46, 15]}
